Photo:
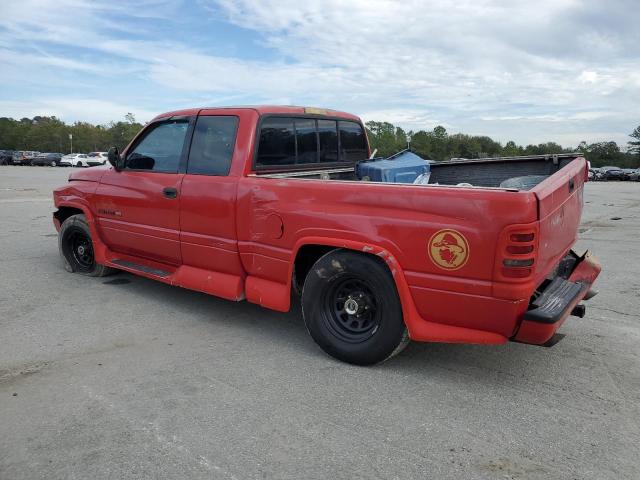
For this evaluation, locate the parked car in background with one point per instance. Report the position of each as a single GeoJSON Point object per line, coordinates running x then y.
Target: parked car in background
{"type": "Point", "coordinates": [635, 176]}
{"type": "Point", "coordinates": [74, 160]}
{"type": "Point", "coordinates": [626, 173]}
{"type": "Point", "coordinates": [24, 157]}
{"type": "Point", "coordinates": [18, 157]}
{"type": "Point", "coordinates": [6, 157]}
{"type": "Point", "coordinates": [51, 159]}
{"type": "Point", "coordinates": [611, 173]}
{"type": "Point", "coordinates": [96, 158]}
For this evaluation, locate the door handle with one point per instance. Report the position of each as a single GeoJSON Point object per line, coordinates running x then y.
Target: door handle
{"type": "Point", "coordinates": [170, 192]}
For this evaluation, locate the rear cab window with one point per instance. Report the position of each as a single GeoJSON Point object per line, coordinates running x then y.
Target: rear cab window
{"type": "Point", "coordinates": [300, 142]}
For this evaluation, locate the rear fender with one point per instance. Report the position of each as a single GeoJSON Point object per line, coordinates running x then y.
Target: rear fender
{"type": "Point", "coordinates": [419, 328]}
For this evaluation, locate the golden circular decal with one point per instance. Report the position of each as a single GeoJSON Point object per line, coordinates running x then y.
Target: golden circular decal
{"type": "Point", "coordinates": [448, 249]}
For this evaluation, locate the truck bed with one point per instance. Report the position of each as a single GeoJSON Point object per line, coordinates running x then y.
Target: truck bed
{"type": "Point", "coordinates": [483, 172]}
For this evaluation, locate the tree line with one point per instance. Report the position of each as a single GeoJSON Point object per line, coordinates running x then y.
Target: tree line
{"type": "Point", "coordinates": [438, 144]}
{"type": "Point", "coordinates": [50, 134]}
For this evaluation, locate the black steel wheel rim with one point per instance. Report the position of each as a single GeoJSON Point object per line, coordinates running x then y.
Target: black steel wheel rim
{"type": "Point", "coordinates": [81, 249]}
{"type": "Point", "coordinates": [350, 309]}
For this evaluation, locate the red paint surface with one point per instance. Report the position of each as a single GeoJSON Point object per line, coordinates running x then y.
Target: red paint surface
{"type": "Point", "coordinates": [237, 236]}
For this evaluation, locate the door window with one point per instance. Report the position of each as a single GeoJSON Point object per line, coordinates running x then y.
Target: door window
{"type": "Point", "coordinates": [212, 146]}
{"type": "Point", "coordinates": [161, 149]}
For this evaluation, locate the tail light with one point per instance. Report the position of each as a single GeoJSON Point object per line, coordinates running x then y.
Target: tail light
{"type": "Point", "coordinates": [517, 251]}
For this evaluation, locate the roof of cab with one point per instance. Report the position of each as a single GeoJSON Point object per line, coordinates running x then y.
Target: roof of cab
{"type": "Point", "coordinates": [265, 110]}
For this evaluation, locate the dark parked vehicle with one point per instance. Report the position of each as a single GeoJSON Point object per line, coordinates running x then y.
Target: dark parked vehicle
{"type": "Point", "coordinates": [626, 173]}
{"type": "Point", "coordinates": [612, 173]}
{"type": "Point", "coordinates": [6, 157]}
{"type": "Point", "coordinates": [52, 159]}
{"type": "Point", "coordinates": [23, 157]}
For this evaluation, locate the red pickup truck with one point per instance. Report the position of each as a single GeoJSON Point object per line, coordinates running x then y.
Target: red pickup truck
{"type": "Point", "coordinates": [258, 202]}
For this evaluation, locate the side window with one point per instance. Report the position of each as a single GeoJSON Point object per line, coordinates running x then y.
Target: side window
{"type": "Point", "coordinates": [353, 142]}
{"type": "Point", "coordinates": [160, 149]}
{"type": "Point", "coordinates": [307, 145]}
{"type": "Point", "coordinates": [328, 135]}
{"type": "Point", "coordinates": [212, 146]}
{"type": "Point", "coordinates": [277, 145]}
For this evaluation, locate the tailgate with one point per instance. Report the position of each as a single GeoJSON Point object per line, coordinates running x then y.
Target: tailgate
{"type": "Point", "coordinates": [560, 199]}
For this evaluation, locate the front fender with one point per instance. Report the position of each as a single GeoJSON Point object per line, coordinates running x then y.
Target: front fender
{"type": "Point", "coordinates": [78, 203]}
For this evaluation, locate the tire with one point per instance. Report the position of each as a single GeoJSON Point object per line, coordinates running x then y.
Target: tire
{"type": "Point", "coordinates": [53, 163]}
{"type": "Point", "coordinates": [352, 310]}
{"type": "Point", "coordinates": [76, 248]}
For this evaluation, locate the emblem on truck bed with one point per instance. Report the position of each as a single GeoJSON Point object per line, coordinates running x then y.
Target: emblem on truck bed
{"type": "Point", "coordinates": [448, 249]}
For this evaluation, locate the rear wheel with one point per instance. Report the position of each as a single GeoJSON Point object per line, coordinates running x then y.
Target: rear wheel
{"type": "Point", "coordinates": [53, 163]}
{"type": "Point", "coordinates": [352, 310]}
{"type": "Point", "coordinates": [76, 248]}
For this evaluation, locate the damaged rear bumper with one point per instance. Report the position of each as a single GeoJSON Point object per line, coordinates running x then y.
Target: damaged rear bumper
{"type": "Point", "coordinates": [558, 300]}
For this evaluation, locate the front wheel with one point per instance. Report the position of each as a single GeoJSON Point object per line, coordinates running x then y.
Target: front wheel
{"type": "Point", "coordinates": [352, 310]}
{"type": "Point", "coordinates": [76, 248]}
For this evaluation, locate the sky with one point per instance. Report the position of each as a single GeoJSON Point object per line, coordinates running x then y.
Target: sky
{"type": "Point", "coordinates": [528, 71]}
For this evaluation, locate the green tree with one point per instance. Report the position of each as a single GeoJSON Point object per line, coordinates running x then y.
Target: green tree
{"type": "Point", "coordinates": [604, 153]}
{"type": "Point", "coordinates": [634, 145]}
{"type": "Point", "coordinates": [510, 149]}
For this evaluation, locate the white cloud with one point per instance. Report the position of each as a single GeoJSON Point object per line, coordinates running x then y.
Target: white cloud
{"type": "Point", "coordinates": [529, 71]}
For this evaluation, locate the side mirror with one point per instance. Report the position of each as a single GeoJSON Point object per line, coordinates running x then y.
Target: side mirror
{"type": "Point", "coordinates": [114, 158]}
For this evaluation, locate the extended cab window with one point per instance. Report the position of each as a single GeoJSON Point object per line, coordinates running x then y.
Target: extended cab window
{"type": "Point", "coordinates": [306, 140]}
{"type": "Point", "coordinates": [277, 143]}
{"type": "Point", "coordinates": [328, 134]}
{"type": "Point", "coordinates": [353, 142]}
{"type": "Point", "coordinates": [287, 142]}
{"type": "Point", "coordinates": [160, 149]}
{"type": "Point", "coordinates": [212, 145]}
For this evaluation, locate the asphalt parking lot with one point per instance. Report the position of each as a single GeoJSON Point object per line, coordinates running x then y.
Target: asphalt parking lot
{"type": "Point", "coordinates": [123, 377]}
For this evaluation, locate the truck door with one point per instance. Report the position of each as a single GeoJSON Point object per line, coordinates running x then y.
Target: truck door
{"type": "Point", "coordinates": [138, 208]}
{"type": "Point", "coordinates": [208, 197]}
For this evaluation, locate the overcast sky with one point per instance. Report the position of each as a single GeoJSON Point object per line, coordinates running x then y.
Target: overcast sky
{"type": "Point", "coordinates": [529, 71]}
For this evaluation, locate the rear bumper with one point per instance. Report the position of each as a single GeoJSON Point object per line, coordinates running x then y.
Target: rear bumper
{"type": "Point", "coordinates": [556, 302]}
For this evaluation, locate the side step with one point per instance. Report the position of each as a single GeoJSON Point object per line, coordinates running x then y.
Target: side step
{"type": "Point", "coordinates": [142, 268]}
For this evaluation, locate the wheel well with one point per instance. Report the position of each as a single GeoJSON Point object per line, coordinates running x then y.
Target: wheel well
{"type": "Point", "coordinates": [310, 254]}
{"type": "Point", "coordinates": [65, 212]}
{"type": "Point", "coordinates": [305, 258]}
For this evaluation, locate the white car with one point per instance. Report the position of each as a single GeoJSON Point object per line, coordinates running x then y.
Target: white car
{"type": "Point", "coordinates": [97, 158]}
{"type": "Point", "coordinates": [74, 160]}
